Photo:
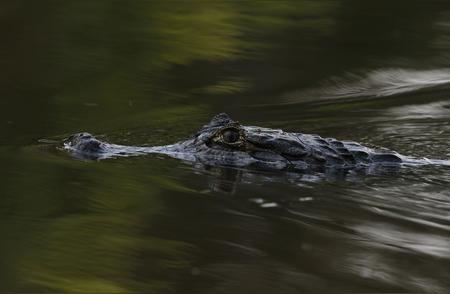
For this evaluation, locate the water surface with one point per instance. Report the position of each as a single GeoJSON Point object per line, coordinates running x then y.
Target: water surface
{"type": "Point", "coordinates": [151, 73]}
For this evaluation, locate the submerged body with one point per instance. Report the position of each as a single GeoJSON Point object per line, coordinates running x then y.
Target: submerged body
{"type": "Point", "coordinates": [225, 142]}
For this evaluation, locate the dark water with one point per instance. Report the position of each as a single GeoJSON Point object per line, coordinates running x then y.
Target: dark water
{"type": "Point", "coordinates": [150, 72]}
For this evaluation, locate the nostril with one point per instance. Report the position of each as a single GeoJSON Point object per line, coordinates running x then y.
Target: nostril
{"type": "Point", "coordinates": [91, 146]}
{"type": "Point", "coordinates": [95, 144]}
{"type": "Point", "coordinates": [79, 137]}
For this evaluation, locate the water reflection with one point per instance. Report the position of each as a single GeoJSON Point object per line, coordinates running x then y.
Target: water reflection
{"type": "Point", "coordinates": [90, 238]}
{"type": "Point", "coordinates": [151, 72]}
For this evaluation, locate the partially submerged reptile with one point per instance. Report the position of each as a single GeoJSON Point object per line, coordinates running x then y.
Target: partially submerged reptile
{"type": "Point", "coordinates": [224, 142]}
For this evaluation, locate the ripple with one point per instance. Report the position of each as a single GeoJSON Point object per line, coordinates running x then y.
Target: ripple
{"type": "Point", "coordinates": [377, 83]}
{"type": "Point", "coordinates": [434, 110]}
{"type": "Point", "coordinates": [424, 243]}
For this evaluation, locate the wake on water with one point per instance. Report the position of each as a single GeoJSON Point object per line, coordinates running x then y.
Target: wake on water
{"type": "Point", "coordinates": [377, 83]}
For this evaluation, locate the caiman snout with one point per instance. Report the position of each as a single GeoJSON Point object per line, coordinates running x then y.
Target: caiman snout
{"type": "Point", "coordinates": [84, 142]}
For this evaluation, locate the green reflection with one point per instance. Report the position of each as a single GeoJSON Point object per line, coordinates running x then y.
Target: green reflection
{"type": "Point", "coordinates": [109, 67]}
{"type": "Point", "coordinates": [92, 61]}
{"type": "Point", "coordinates": [88, 237]}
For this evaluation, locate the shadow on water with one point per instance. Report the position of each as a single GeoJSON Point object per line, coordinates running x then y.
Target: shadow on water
{"type": "Point", "coordinates": [150, 72]}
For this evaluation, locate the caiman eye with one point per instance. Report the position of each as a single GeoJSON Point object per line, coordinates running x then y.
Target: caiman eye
{"type": "Point", "coordinates": [231, 136]}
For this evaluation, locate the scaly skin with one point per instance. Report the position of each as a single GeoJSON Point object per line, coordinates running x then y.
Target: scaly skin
{"type": "Point", "coordinates": [225, 142]}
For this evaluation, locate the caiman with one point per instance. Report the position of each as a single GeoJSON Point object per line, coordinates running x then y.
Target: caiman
{"type": "Point", "coordinates": [225, 142]}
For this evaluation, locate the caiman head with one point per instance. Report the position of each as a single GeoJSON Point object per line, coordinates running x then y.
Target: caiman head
{"type": "Point", "coordinates": [226, 142]}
